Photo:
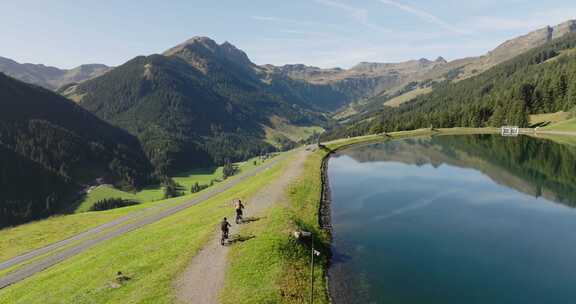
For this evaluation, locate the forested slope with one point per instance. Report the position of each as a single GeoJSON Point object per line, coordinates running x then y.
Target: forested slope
{"type": "Point", "coordinates": [198, 104]}
{"type": "Point", "coordinates": [51, 148]}
{"type": "Point", "coordinates": [539, 81]}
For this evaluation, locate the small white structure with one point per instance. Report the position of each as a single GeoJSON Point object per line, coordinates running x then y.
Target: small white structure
{"type": "Point", "coordinates": [510, 130]}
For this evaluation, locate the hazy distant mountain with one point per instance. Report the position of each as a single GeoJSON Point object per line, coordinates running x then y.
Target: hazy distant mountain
{"type": "Point", "coordinates": [456, 70]}
{"type": "Point", "coordinates": [50, 77]}
{"type": "Point", "coordinates": [541, 80]}
{"type": "Point", "coordinates": [199, 103]}
{"type": "Point", "coordinates": [50, 148]}
{"type": "Point", "coordinates": [365, 80]}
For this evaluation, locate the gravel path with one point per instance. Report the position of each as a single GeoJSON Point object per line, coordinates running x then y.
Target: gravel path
{"type": "Point", "coordinates": [58, 255]}
{"type": "Point", "coordinates": [203, 279]}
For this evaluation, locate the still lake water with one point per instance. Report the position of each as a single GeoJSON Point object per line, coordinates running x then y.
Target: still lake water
{"type": "Point", "coordinates": [454, 219]}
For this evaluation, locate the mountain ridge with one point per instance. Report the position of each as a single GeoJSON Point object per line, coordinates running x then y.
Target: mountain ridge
{"type": "Point", "coordinates": [196, 104]}
{"type": "Point", "coordinates": [457, 70]}
{"type": "Point", "coordinates": [50, 77]}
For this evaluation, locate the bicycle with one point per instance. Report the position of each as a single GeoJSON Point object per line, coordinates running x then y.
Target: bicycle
{"type": "Point", "coordinates": [238, 218]}
{"type": "Point", "coordinates": [224, 238]}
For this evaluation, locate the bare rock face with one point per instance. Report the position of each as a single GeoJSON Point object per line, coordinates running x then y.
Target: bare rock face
{"type": "Point", "coordinates": [519, 45]}
{"type": "Point", "coordinates": [563, 29]}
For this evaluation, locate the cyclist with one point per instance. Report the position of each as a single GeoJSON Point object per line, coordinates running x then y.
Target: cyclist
{"type": "Point", "coordinates": [239, 211]}
{"type": "Point", "coordinates": [225, 227]}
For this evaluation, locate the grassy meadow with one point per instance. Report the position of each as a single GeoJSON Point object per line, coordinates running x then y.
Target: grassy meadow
{"type": "Point", "coordinates": [202, 176]}
{"type": "Point", "coordinates": [23, 238]}
{"type": "Point", "coordinates": [152, 256]}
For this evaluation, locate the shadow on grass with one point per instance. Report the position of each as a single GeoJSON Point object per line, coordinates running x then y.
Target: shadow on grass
{"type": "Point", "coordinates": [250, 219]}
{"type": "Point", "coordinates": [198, 171]}
{"type": "Point", "coordinates": [540, 124]}
{"type": "Point", "coordinates": [239, 239]}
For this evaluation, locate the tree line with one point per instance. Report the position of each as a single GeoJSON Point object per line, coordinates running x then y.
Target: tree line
{"type": "Point", "coordinates": [542, 80]}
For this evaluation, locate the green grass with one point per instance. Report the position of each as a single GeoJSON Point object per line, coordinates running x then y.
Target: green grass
{"type": "Point", "coordinates": [154, 193]}
{"type": "Point", "coordinates": [280, 128]}
{"type": "Point", "coordinates": [398, 100]}
{"type": "Point", "coordinates": [153, 256]}
{"type": "Point", "coordinates": [273, 267]}
{"type": "Point", "coordinates": [23, 238]}
{"type": "Point", "coordinates": [18, 240]}
{"type": "Point", "coordinates": [207, 175]}
{"type": "Point", "coordinates": [107, 191]}
{"type": "Point", "coordinates": [567, 126]}
{"type": "Point", "coordinates": [547, 118]}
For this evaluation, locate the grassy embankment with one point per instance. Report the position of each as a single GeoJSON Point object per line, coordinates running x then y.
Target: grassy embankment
{"type": "Point", "coordinates": [153, 256]}
{"type": "Point", "coordinates": [542, 120]}
{"type": "Point", "coordinates": [270, 268]}
{"type": "Point", "coordinates": [567, 126]}
{"type": "Point", "coordinates": [23, 238]}
{"type": "Point", "coordinates": [559, 121]}
{"type": "Point", "coordinates": [273, 267]}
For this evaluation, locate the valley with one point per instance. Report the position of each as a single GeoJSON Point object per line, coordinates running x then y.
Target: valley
{"type": "Point", "coordinates": [115, 178]}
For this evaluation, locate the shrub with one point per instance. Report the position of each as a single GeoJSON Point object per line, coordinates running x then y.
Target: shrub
{"type": "Point", "coordinates": [112, 203]}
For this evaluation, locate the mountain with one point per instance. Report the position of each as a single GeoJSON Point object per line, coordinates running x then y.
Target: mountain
{"type": "Point", "coordinates": [517, 46]}
{"type": "Point", "coordinates": [51, 149]}
{"type": "Point", "coordinates": [199, 103]}
{"type": "Point", "coordinates": [541, 80]}
{"type": "Point", "coordinates": [457, 70]}
{"type": "Point", "coordinates": [50, 77]}
{"type": "Point", "coordinates": [365, 80]}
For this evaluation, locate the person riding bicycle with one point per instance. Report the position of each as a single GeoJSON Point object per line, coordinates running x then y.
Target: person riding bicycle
{"type": "Point", "coordinates": [225, 227]}
{"type": "Point", "coordinates": [239, 210]}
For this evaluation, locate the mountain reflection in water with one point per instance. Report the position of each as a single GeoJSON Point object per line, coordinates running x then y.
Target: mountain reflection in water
{"type": "Point", "coordinates": [454, 219]}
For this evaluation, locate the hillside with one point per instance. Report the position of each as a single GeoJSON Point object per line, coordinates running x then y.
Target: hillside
{"type": "Point", "coordinates": [458, 69]}
{"type": "Point", "coordinates": [50, 77]}
{"type": "Point", "coordinates": [51, 145]}
{"type": "Point", "coordinates": [365, 80]}
{"type": "Point", "coordinates": [539, 81]}
{"type": "Point", "coordinates": [196, 105]}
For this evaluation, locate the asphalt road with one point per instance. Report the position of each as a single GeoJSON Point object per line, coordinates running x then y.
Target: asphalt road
{"type": "Point", "coordinates": [95, 235]}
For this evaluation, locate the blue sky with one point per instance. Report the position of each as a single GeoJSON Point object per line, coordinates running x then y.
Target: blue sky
{"type": "Point", "coordinates": [325, 33]}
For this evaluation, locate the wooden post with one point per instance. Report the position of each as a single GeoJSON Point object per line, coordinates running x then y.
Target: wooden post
{"type": "Point", "coordinates": [312, 272]}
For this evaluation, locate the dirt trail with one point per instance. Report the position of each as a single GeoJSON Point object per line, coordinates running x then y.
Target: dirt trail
{"type": "Point", "coordinates": [203, 279]}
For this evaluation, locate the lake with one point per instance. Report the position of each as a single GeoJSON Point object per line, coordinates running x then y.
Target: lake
{"type": "Point", "coordinates": [454, 219]}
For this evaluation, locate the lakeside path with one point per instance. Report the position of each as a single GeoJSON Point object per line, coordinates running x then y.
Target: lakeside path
{"type": "Point", "coordinates": [53, 254]}
{"type": "Point", "coordinates": [203, 279]}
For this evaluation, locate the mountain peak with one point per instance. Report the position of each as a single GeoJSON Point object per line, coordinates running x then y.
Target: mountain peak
{"type": "Point", "coordinates": [199, 51]}
{"type": "Point", "coordinates": [201, 40]}
{"type": "Point", "coordinates": [440, 59]}
{"type": "Point", "coordinates": [563, 28]}
{"type": "Point", "coordinates": [194, 42]}
{"type": "Point", "coordinates": [233, 53]}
